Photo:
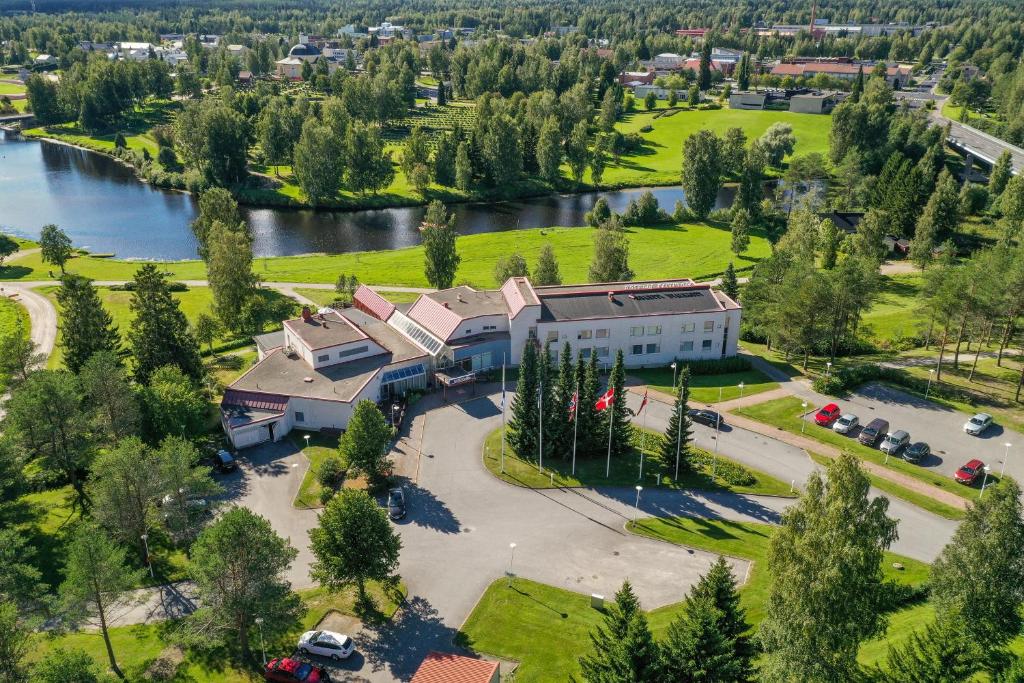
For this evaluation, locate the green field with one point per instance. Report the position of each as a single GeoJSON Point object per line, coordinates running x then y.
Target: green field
{"type": "Point", "coordinates": [320, 446]}
{"type": "Point", "coordinates": [894, 314]}
{"type": "Point", "coordinates": [708, 388]}
{"type": "Point", "coordinates": [11, 89]}
{"type": "Point", "coordinates": [12, 317]}
{"type": "Point", "coordinates": [547, 629]}
{"type": "Point", "coordinates": [697, 250]}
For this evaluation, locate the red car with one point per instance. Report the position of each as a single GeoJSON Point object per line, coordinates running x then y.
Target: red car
{"type": "Point", "coordinates": [827, 415]}
{"type": "Point", "coordinates": [970, 472]}
{"type": "Point", "coordinates": [287, 670]}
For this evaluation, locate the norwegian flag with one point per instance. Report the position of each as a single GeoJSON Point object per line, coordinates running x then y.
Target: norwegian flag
{"type": "Point", "coordinates": [606, 400]}
{"type": "Point", "coordinates": [572, 405]}
{"type": "Point", "coordinates": [642, 403]}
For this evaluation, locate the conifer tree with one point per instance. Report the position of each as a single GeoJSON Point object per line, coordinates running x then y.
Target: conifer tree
{"type": "Point", "coordinates": [696, 650]}
{"type": "Point", "coordinates": [624, 649]}
{"type": "Point", "coordinates": [718, 586]}
{"type": "Point", "coordinates": [1001, 173]}
{"type": "Point", "coordinates": [522, 426]}
{"type": "Point", "coordinates": [546, 271]}
{"type": "Point", "coordinates": [160, 334]}
{"type": "Point", "coordinates": [622, 428]}
{"type": "Point", "coordinates": [546, 383]}
{"type": "Point", "coordinates": [561, 425]}
{"type": "Point", "coordinates": [86, 327]}
{"type": "Point", "coordinates": [588, 432]}
{"type": "Point", "coordinates": [678, 435]}
{"type": "Point", "coordinates": [730, 285]}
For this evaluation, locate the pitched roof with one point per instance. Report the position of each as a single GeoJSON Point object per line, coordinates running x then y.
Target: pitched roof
{"type": "Point", "coordinates": [255, 399]}
{"type": "Point", "coordinates": [433, 316]}
{"type": "Point", "coordinates": [439, 667]}
{"type": "Point", "coordinates": [373, 303]}
{"type": "Point", "coordinates": [519, 294]}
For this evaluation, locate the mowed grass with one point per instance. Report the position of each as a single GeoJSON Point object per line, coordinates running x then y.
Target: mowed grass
{"type": "Point", "coordinates": [708, 388]}
{"type": "Point", "coordinates": [895, 313]}
{"type": "Point", "coordinates": [697, 250]}
{"type": "Point", "coordinates": [11, 89]}
{"type": "Point", "coordinates": [320, 446]}
{"type": "Point", "coordinates": [326, 297]}
{"type": "Point", "coordinates": [13, 319]}
{"type": "Point", "coordinates": [624, 471]}
{"type": "Point", "coordinates": [547, 629]}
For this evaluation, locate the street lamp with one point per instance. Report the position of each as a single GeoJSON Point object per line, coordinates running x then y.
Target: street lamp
{"type": "Point", "coordinates": [636, 505]}
{"type": "Point", "coordinates": [306, 437]}
{"type": "Point", "coordinates": [803, 422]}
{"type": "Point", "coordinates": [828, 369]}
{"type": "Point", "coordinates": [1006, 456]}
{"type": "Point", "coordinates": [741, 389]}
{"type": "Point", "coordinates": [984, 481]}
{"type": "Point", "coordinates": [149, 563]}
{"type": "Point", "coordinates": [259, 622]}
{"type": "Point", "coordinates": [931, 373]}
{"type": "Point", "coordinates": [511, 560]}
{"type": "Point", "coordinates": [673, 366]}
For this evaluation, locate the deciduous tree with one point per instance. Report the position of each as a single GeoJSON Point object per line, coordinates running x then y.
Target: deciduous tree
{"type": "Point", "coordinates": [229, 271]}
{"type": "Point", "coordinates": [173, 405]}
{"type": "Point", "coordinates": [546, 271]}
{"type": "Point", "coordinates": [364, 445]}
{"type": "Point", "coordinates": [441, 258]}
{"type": "Point", "coordinates": [124, 491]}
{"type": "Point", "coordinates": [216, 205]}
{"type": "Point", "coordinates": [702, 171]}
{"type": "Point", "coordinates": [55, 246]}
{"type": "Point", "coordinates": [611, 254]}
{"type": "Point", "coordinates": [65, 666]}
{"type": "Point", "coordinates": [319, 162]}
{"type": "Point", "coordinates": [513, 265]}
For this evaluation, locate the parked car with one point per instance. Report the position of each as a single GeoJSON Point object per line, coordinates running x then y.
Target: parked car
{"type": "Point", "coordinates": [873, 431]}
{"type": "Point", "coordinates": [970, 472]}
{"type": "Point", "coordinates": [916, 452]}
{"type": "Point", "coordinates": [977, 424]}
{"type": "Point", "coordinates": [396, 504]}
{"type": "Point", "coordinates": [326, 644]}
{"type": "Point", "coordinates": [705, 417]}
{"type": "Point", "coordinates": [846, 424]}
{"type": "Point", "coordinates": [288, 670]}
{"type": "Point", "coordinates": [224, 461]}
{"type": "Point", "coordinates": [190, 503]}
{"type": "Point", "coordinates": [826, 415]}
{"type": "Point", "coordinates": [894, 441]}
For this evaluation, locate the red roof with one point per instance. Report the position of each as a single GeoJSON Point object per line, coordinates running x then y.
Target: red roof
{"type": "Point", "coordinates": [441, 667]}
{"type": "Point", "coordinates": [438, 319]}
{"type": "Point", "coordinates": [254, 399]}
{"type": "Point", "coordinates": [373, 303]}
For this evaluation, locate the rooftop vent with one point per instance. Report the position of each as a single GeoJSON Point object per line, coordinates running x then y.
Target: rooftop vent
{"type": "Point", "coordinates": [306, 313]}
{"type": "Point", "coordinates": [447, 305]}
{"type": "Point", "coordinates": [461, 300]}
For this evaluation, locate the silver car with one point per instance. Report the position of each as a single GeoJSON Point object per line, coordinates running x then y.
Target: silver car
{"type": "Point", "coordinates": [846, 423]}
{"type": "Point", "coordinates": [894, 441]}
{"type": "Point", "coordinates": [977, 424]}
{"type": "Point", "coordinates": [326, 644]}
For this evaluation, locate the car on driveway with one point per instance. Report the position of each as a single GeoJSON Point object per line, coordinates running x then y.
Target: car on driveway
{"type": "Point", "coordinates": [977, 424]}
{"type": "Point", "coordinates": [288, 670]}
{"type": "Point", "coordinates": [846, 423]}
{"type": "Point", "coordinates": [705, 417]}
{"type": "Point", "coordinates": [894, 441]}
{"type": "Point", "coordinates": [873, 431]}
{"type": "Point", "coordinates": [396, 504]}
{"type": "Point", "coordinates": [326, 644]}
{"type": "Point", "coordinates": [827, 415]}
{"type": "Point", "coordinates": [970, 472]}
{"type": "Point", "coordinates": [917, 451]}
{"type": "Point", "coordinates": [223, 461]}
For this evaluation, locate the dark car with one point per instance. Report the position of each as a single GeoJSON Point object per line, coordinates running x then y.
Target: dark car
{"type": "Point", "coordinates": [969, 473]}
{"type": "Point", "coordinates": [396, 504]}
{"type": "Point", "coordinates": [705, 417]}
{"type": "Point", "coordinates": [873, 431]}
{"type": "Point", "coordinates": [288, 670]}
{"type": "Point", "coordinates": [916, 452]}
{"type": "Point", "coordinates": [224, 461]}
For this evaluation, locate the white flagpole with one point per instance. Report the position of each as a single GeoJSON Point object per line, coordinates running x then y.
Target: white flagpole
{"type": "Point", "coordinates": [643, 447]}
{"type": "Point", "coordinates": [503, 413]}
{"type": "Point", "coordinates": [575, 426]}
{"type": "Point", "coordinates": [540, 440]}
{"type": "Point", "coordinates": [679, 433]}
{"type": "Point", "coordinates": [611, 421]}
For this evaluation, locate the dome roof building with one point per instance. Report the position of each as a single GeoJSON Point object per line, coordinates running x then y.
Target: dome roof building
{"type": "Point", "coordinates": [304, 51]}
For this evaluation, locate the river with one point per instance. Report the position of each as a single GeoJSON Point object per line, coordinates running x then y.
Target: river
{"type": "Point", "coordinates": [104, 208]}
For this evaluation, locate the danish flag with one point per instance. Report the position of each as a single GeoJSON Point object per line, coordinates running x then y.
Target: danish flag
{"type": "Point", "coordinates": [572, 404]}
{"type": "Point", "coordinates": [642, 403]}
{"type": "Point", "coordinates": [606, 400]}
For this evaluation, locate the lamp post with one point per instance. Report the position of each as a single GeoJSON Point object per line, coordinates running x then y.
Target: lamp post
{"type": "Point", "coordinates": [259, 622]}
{"type": "Point", "coordinates": [636, 505]}
{"type": "Point", "coordinates": [673, 366]}
{"type": "Point", "coordinates": [828, 369]}
{"type": "Point", "coordinates": [984, 481]}
{"type": "Point", "coordinates": [1006, 456]}
{"type": "Point", "coordinates": [149, 563]}
{"type": "Point", "coordinates": [803, 422]}
{"type": "Point", "coordinates": [394, 409]}
{"type": "Point", "coordinates": [741, 389]}
{"type": "Point", "coordinates": [306, 437]}
{"type": "Point", "coordinates": [931, 373]}
{"type": "Point", "coordinates": [511, 560]}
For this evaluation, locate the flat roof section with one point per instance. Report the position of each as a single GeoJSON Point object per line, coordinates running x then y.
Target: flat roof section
{"type": "Point", "coordinates": [605, 287]}
{"type": "Point", "coordinates": [320, 331]}
{"type": "Point", "coordinates": [467, 302]}
{"type": "Point", "coordinates": [593, 305]}
{"type": "Point", "coordinates": [280, 373]}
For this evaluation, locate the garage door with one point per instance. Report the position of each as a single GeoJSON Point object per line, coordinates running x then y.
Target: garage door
{"type": "Point", "coordinates": [250, 436]}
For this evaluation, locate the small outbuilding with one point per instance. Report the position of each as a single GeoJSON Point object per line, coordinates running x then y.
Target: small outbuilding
{"type": "Point", "coordinates": [747, 100]}
{"type": "Point", "coordinates": [813, 103]}
{"type": "Point", "coordinates": [444, 667]}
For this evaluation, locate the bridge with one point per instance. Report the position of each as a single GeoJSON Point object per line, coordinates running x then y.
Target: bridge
{"type": "Point", "coordinates": [14, 118]}
{"type": "Point", "coordinates": [979, 145]}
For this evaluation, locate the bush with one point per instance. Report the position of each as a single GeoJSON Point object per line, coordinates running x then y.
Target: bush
{"type": "Point", "coordinates": [850, 376]}
{"type": "Point", "coordinates": [647, 129]}
{"type": "Point", "coordinates": [717, 367]}
{"type": "Point", "coordinates": [734, 474]}
{"type": "Point", "coordinates": [331, 472]}
{"type": "Point", "coordinates": [130, 286]}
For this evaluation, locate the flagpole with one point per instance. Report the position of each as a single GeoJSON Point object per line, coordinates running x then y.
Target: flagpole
{"type": "Point", "coordinates": [679, 431]}
{"type": "Point", "coordinates": [643, 448]}
{"type": "Point", "coordinates": [540, 441]}
{"type": "Point", "coordinates": [575, 426]}
{"type": "Point", "coordinates": [611, 421]}
{"type": "Point", "coordinates": [503, 413]}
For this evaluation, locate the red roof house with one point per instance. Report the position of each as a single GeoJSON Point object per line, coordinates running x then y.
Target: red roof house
{"type": "Point", "coordinates": [443, 667]}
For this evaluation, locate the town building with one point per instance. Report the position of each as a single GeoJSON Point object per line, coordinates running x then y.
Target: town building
{"type": "Point", "coordinates": [813, 103]}
{"type": "Point", "coordinates": [311, 374]}
{"type": "Point", "coordinates": [747, 100]}
{"type": "Point", "coordinates": [897, 76]}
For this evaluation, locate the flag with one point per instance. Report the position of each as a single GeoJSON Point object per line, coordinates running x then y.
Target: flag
{"type": "Point", "coordinates": [642, 403]}
{"type": "Point", "coordinates": [606, 400]}
{"type": "Point", "coordinates": [572, 405]}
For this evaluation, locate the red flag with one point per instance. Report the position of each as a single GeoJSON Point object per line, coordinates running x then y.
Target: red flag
{"type": "Point", "coordinates": [572, 405]}
{"type": "Point", "coordinates": [606, 400]}
{"type": "Point", "coordinates": [642, 403]}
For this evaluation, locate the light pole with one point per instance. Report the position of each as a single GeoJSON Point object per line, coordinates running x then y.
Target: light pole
{"type": "Point", "coordinates": [828, 369]}
{"type": "Point", "coordinates": [803, 422]}
{"type": "Point", "coordinates": [511, 561]}
{"type": "Point", "coordinates": [673, 366]}
{"type": "Point", "coordinates": [984, 481]}
{"type": "Point", "coordinates": [149, 563]}
{"type": "Point", "coordinates": [1006, 456]}
{"type": "Point", "coordinates": [931, 373]}
{"type": "Point", "coordinates": [306, 437]}
{"type": "Point", "coordinates": [741, 389]}
{"type": "Point", "coordinates": [259, 622]}
{"type": "Point", "coordinates": [636, 505]}
{"type": "Point", "coordinates": [394, 409]}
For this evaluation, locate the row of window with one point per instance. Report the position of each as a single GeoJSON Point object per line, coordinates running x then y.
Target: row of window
{"type": "Point", "coordinates": [636, 331]}
{"type": "Point", "coordinates": [344, 353]}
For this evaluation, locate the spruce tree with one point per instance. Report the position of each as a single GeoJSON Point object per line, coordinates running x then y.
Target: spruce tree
{"type": "Point", "coordinates": [730, 285]}
{"type": "Point", "coordinates": [588, 435]}
{"type": "Point", "coordinates": [718, 586]}
{"type": "Point", "coordinates": [678, 435]}
{"type": "Point", "coordinates": [522, 426]}
{"type": "Point", "coordinates": [1001, 173]}
{"type": "Point", "coordinates": [160, 334]}
{"type": "Point", "coordinates": [858, 86]}
{"type": "Point", "coordinates": [561, 425]}
{"type": "Point", "coordinates": [622, 428]}
{"type": "Point", "coordinates": [696, 650]}
{"type": "Point", "coordinates": [546, 384]}
{"type": "Point", "coordinates": [624, 649]}
{"type": "Point", "coordinates": [546, 271]}
{"type": "Point", "coordinates": [86, 327]}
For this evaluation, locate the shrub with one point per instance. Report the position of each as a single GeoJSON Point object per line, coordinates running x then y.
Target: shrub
{"type": "Point", "coordinates": [734, 474]}
{"type": "Point", "coordinates": [647, 128]}
{"type": "Point", "coordinates": [331, 472]}
{"type": "Point", "coordinates": [717, 367]}
{"type": "Point", "coordinates": [119, 141]}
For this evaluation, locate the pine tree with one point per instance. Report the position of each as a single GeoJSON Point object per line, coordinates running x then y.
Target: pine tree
{"type": "Point", "coordinates": [730, 284]}
{"type": "Point", "coordinates": [622, 428]}
{"type": "Point", "coordinates": [696, 650]}
{"type": "Point", "coordinates": [624, 649]}
{"type": "Point", "coordinates": [546, 271]}
{"type": "Point", "coordinates": [678, 435]}
{"type": "Point", "coordinates": [522, 425]}
{"type": "Point", "coordinates": [718, 586]}
{"type": "Point", "coordinates": [160, 334]}
{"type": "Point", "coordinates": [86, 327]}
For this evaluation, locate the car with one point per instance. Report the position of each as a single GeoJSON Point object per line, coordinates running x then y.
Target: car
{"type": "Point", "coordinates": [846, 423]}
{"type": "Point", "coordinates": [190, 503]}
{"type": "Point", "coordinates": [916, 452]}
{"type": "Point", "coordinates": [224, 461]}
{"type": "Point", "coordinates": [396, 504]}
{"type": "Point", "coordinates": [873, 431]}
{"type": "Point", "coordinates": [977, 424]}
{"type": "Point", "coordinates": [326, 644]}
{"type": "Point", "coordinates": [826, 415]}
{"type": "Point", "coordinates": [894, 441]}
{"type": "Point", "coordinates": [969, 472]}
{"type": "Point", "coordinates": [288, 670]}
{"type": "Point", "coordinates": [705, 417]}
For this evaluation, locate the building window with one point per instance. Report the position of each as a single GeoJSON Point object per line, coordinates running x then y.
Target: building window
{"type": "Point", "coordinates": [468, 331]}
{"type": "Point", "coordinates": [532, 333]}
{"type": "Point", "coordinates": [688, 327]}
{"type": "Point", "coordinates": [300, 416]}
{"type": "Point", "coordinates": [653, 348]}
{"type": "Point", "coordinates": [354, 351]}
{"type": "Point", "coordinates": [706, 344]}
{"type": "Point", "coordinates": [601, 351]}
{"type": "Point", "coordinates": [638, 349]}
{"type": "Point", "coordinates": [584, 334]}
{"type": "Point", "coordinates": [709, 325]}
{"type": "Point", "coordinates": [552, 335]}
{"type": "Point", "coordinates": [653, 329]}
{"type": "Point", "coordinates": [602, 333]}
{"type": "Point", "coordinates": [325, 357]}
{"type": "Point", "coordinates": [636, 331]}
{"type": "Point", "coordinates": [489, 328]}
{"type": "Point", "coordinates": [585, 352]}
{"type": "Point", "coordinates": [686, 346]}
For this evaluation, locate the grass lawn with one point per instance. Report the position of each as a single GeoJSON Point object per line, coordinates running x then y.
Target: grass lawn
{"type": "Point", "coordinates": [320, 446]}
{"type": "Point", "coordinates": [894, 314]}
{"type": "Point", "coordinates": [13, 317]}
{"type": "Point", "coordinates": [624, 471]}
{"type": "Point", "coordinates": [708, 388]}
{"type": "Point", "coordinates": [228, 367]}
{"type": "Point", "coordinates": [325, 297]}
{"type": "Point", "coordinates": [546, 629]}
{"type": "Point", "coordinates": [784, 413]}
{"type": "Point", "coordinates": [11, 89]}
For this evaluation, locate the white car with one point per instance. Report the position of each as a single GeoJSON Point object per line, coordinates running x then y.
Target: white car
{"type": "Point", "coordinates": [846, 424]}
{"type": "Point", "coordinates": [326, 644]}
{"type": "Point", "coordinates": [977, 424]}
